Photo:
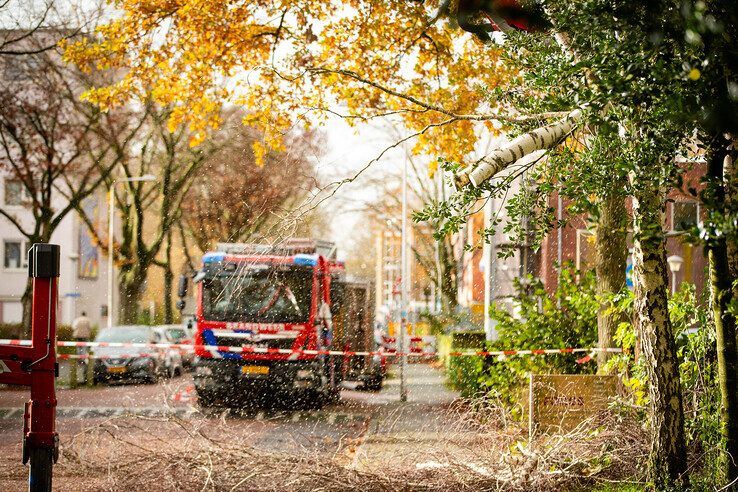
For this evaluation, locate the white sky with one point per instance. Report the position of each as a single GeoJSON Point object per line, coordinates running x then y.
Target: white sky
{"type": "Point", "coordinates": [348, 150]}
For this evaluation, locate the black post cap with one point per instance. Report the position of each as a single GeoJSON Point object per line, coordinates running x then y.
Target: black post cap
{"type": "Point", "coordinates": [43, 260]}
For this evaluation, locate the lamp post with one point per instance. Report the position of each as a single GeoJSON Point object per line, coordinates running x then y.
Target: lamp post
{"type": "Point", "coordinates": [403, 289]}
{"type": "Point", "coordinates": [675, 264]}
{"type": "Point", "coordinates": [111, 219]}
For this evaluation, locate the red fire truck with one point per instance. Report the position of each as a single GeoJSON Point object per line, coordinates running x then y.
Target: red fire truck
{"type": "Point", "coordinates": [275, 302]}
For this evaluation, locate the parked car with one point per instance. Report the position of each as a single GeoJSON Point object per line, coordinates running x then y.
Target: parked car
{"type": "Point", "coordinates": [181, 334]}
{"type": "Point", "coordinates": [376, 369]}
{"type": "Point", "coordinates": [144, 364]}
{"type": "Point", "coordinates": [172, 356]}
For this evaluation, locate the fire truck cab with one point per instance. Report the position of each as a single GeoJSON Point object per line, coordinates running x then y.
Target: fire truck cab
{"type": "Point", "coordinates": [273, 302]}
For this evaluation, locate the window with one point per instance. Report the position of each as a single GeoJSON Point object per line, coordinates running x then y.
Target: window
{"type": "Point", "coordinates": [15, 254]}
{"type": "Point", "coordinates": [259, 297]}
{"type": "Point", "coordinates": [585, 253]}
{"type": "Point", "coordinates": [684, 215]}
{"type": "Point", "coordinates": [13, 192]}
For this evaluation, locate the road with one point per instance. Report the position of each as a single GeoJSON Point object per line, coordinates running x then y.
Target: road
{"type": "Point", "coordinates": [363, 426]}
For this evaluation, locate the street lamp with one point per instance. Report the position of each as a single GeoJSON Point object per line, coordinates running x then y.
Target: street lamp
{"type": "Point", "coordinates": [675, 264]}
{"type": "Point", "coordinates": [403, 289]}
{"type": "Point", "coordinates": [111, 218]}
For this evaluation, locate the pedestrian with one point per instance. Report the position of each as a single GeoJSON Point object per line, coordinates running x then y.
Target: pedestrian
{"type": "Point", "coordinates": [81, 331]}
{"type": "Point", "coordinates": [81, 328]}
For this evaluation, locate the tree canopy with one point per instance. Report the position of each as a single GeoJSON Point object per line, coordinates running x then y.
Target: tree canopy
{"type": "Point", "coordinates": [296, 61]}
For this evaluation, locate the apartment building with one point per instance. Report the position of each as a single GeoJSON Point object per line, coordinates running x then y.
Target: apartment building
{"type": "Point", "coordinates": [83, 277]}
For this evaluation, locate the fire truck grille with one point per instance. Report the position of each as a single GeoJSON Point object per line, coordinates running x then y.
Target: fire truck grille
{"type": "Point", "coordinates": [278, 343]}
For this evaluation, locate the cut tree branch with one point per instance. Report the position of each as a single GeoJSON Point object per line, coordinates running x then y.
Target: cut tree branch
{"type": "Point", "coordinates": [539, 139]}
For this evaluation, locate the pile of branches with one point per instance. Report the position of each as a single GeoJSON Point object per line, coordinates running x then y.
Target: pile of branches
{"type": "Point", "coordinates": [142, 454]}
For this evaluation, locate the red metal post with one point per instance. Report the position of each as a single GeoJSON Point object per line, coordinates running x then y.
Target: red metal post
{"type": "Point", "coordinates": [36, 367]}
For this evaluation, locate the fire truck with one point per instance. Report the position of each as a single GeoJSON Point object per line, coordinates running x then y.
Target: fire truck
{"type": "Point", "coordinates": [274, 302]}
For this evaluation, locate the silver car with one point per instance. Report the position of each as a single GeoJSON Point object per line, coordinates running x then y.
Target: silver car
{"type": "Point", "coordinates": [172, 356]}
{"type": "Point", "coordinates": [128, 363]}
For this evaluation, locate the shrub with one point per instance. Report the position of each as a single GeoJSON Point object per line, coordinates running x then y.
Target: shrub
{"type": "Point", "coordinates": [568, 318]}
{"type": "Point", "coordinates": [464, 372]}
{"type": "Point", "coordinates": [10, 330]}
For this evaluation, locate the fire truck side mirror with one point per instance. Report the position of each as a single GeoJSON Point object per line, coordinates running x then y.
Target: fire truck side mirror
{"type": "Point", "coordinates": [182, 286]}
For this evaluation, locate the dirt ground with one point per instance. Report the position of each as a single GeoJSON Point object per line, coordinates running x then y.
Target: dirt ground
{"type": "Point", "coordinates": [154, 438]}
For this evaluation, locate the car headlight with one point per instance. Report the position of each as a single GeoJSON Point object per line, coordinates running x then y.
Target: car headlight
{"type": "Point", "coordinates": [141, 363]}
{"type": "Point", "coordinates": [304, 374]}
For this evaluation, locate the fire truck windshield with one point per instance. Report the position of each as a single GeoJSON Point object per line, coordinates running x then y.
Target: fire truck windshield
{"type": "Point", "coordinates": [265, 296]}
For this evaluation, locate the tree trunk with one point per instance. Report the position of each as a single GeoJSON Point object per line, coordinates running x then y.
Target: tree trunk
{"type": "Point", "coordinates": [721, 295]}
{"type": "Point", "coordinates": [611, 252]}
{"type": "Point", "coordinates": [730, 178]}
{"type": "Point", "coordinates": [668, 461]}
{"type": "Point", "coordinates": [26, 299]}
{"type": "Point", "coordinates": [168, 282]}
{"type": "Point", "coordinates": [132, 286]}
{"type": "Point", "coordinates": [449, 293]}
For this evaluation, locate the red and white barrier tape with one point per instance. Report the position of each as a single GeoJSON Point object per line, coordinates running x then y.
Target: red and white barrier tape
{"type": "Point", "coordinates": [102, 357]}
{"type": "Point", "coordinates": [345, 353]}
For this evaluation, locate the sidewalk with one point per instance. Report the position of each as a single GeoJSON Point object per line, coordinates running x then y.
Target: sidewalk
{"type": "Point", "coordinates": [418, 433]}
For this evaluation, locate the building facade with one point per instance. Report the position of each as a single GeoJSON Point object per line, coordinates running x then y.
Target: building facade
{"type": "Point", "coordinates": [83, 276]}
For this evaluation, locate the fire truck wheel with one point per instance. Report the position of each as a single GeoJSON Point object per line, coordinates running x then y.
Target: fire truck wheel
{"type": "Point", "coordinates": [206, 399]}
{"type": "Point", "coordinates": [310, 399]}
{"type": "Point", "coordinates": [332, 395]}
{"type": "Point", "coordinates": [39, 479]}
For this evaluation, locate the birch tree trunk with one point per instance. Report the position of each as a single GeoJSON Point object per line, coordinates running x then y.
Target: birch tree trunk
{"type": "Point", "coordinates": [539, 139]}
{"type": "Point", "coordinates": [610, 257]}
{"type": "Point", "coordinates": [668, 463]}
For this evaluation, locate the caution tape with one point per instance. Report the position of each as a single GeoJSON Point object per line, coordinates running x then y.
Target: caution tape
{"type": "Point", "coordinates": [101, 357]}
{"type": "Point", "coordinates": [27, 343]}
{"type": "Point", "coordinates": [344, 353]}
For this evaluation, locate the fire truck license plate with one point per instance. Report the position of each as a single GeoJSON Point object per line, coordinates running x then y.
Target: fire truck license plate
{"type": "Point", "coordinates": [117, 369]}
{"type": "Point", "coordinates": [250, 370]}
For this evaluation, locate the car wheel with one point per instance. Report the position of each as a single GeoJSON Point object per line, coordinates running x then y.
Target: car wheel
{"type": "Point", "coordinates": [154, 377]}
{"type": "Point", "coordinates": [374, 384]}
